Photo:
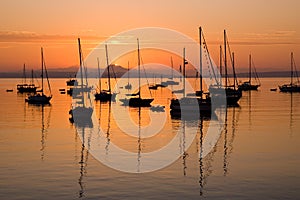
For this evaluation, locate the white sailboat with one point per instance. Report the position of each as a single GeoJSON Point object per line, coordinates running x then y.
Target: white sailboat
{"type": "Point", "coordinates": [80, 112]}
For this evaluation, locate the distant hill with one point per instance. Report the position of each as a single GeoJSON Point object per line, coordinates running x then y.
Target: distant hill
{"type": "Point", "coordinates": [119, 71]}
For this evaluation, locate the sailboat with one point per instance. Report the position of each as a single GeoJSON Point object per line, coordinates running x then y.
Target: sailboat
{"type": "Point", "coordinates": [153, 86]}
{"type": "Point", "coordinates": [40, 97]}
{"type": "Point", "coordinates": [105, 95]}
{"type": "Point", "coordinates": [233, 94]}
{"type": "Point", "coordinates": [170, 81]}
{"type": "Point", "coordinates": [247, 85]}
{"type": "Point", "coordinates": [71, 82]}
{"type": "Point", "coordinates": [292, 86]}
{"type": "Point", "coordinates": [185, 107]}
{"type": "Point", "coordinates": [80, 111]}
{"type": "Point", "coordinates": [137, 101]}
{"type": "Point", "coordinates": [24, 87]}
{"type": "Point", "coordinates": [128, 86]}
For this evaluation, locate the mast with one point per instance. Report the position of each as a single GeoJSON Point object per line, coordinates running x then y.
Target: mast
{"type": "Point", "coordinates": [184, 62]}
{"type": "Point", "coordinates": [250, 60]}
{"type": "Point", "coordinates": [139, 67]}
{"type": "Point", "coordinates": [80, 67]}
{"type": "Point", "coordinates": [99, 74]}
{"type": "Point", "coordinates": [42, 57]}
{"type": "Point", "coordinates": [107, 63]}
{"type": "Point", "coordinates": [128, 73]}
{"type": "Point", "coordinates": [24, 74]}
{"type": "Point", "coordinates": [31, 77]}
{"type": "Point", "coordinates": [292, 55]}
{"type": "Point", "coordinates": [220, 65]}
{"type": "Point", "coordinates": [200, 43]}
{"type": "Point", "coordinates": [233, 68]}
{"type": "Point", "coordinates": [225, 59]}
{"type": "Point", "coordinates": [172, 68]}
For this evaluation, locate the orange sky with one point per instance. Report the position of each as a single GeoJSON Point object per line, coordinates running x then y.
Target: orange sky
{"type": "Point", "coordinates": [268, 29]}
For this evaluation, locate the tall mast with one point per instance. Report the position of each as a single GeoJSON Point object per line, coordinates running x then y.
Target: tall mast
{"type": "Point", "coordinates": [99, 74]}
{"type": "Point", "coordinates": [31, 77]}
{"type": "Point", "coordinates": [200, 44]}
{"type": "Point", "coordinates": [250, 62]}
{"type": "Point", "coordinates": [128, 73]}
{"type": "Point", "coordinates": [184, 62]}
{"type": "Point", "coordinates": [220, 65]}
{"type": "Point", "coordinates": [172, 68]}
{"type": "Point", "coordinates": [139, 63]}
{"type": "Point", "coordinates": [42, 57]}
{"type": "Point", "coordinates": [233, 68]}
{"type": "Point", "coordinates": [107, 63]}
{"type": "Point", "coordinates": [292, 55]}
{"type": "Point", "coordinates": [80, 67]}
{"type": "Point", "coordinates": [24, 74]}
{"type": "Point", "coordinates": [225, 58]}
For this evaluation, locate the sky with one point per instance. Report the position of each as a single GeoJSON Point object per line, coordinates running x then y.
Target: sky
{"type": "Point", "coordinates": [268, 29]}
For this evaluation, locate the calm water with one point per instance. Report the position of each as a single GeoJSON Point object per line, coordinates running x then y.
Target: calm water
{"type": "Point", "coordinates": [256, 157]}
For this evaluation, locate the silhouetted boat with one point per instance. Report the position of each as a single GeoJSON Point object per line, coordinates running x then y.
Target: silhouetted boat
{"type": "Point", "coordinates": [137, 101]}
{"type": "Point", "coordinates": [128, 86]}
{"type": "Point", "coordinates": [9, 90]}
{"type": "Point", "coordinates": [292, 86]}
{"type": "Point", "coordinates": [157, 108]}
{"type": "Point", "coordinates": [24, 87]}
{"type": "Point", "coordinates": [105, 95]}
{"type": "Point", "coordinates": [80, 113]}
{"type": "Point", "coordinates": [153, 86]}
{"type": "Point", "coordinates": [40, 97]}
{"type": "Point", "coordinates": [187, 107]}
{"type": "Point", "coordinates": [233, 94]}
{"type": "Point", "coordinates": [247, 85]}
{"type": "Point", "coordinates": [71, 82]}
{"type": "Point", "coordinates": [171, 81]}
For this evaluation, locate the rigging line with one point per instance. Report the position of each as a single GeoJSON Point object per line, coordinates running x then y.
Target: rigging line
{"type": "Point", "coordinates": [46, 72]}
{"type": "Point", "coordinates": [115, 76]}
{"type": "Point", "coordinates": [256, 75]}
{"type": "Point", "coordinates": [231, 61]}
{"type": "Point", "coordinates": [296, 73]}
{"type": "Point", "coordinates": [146, 75]}
{"type": "Point", "coordinates": [210, 61]}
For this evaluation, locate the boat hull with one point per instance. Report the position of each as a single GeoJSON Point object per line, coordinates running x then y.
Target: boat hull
{"type": "Point", "coordinates": [139, 102]}
{"type": "Point", "coordinates": [38, 99]}
{"type": "Point", "coordinates": [289, 88]}
{"type": "Point", "coordinates": [246, 86]}
{"type": "Point", "coordinates": [104, 96]}
{"type": "Point", "coordinates": [232, 95]}
{"type": "Point", "coordinates": [25, 88]}
{"type": "Point", "coordinates": [186, 107]}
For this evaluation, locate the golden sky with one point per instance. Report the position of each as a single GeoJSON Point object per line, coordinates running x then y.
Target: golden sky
{"type": "Point", "coordinates": [268, 29]}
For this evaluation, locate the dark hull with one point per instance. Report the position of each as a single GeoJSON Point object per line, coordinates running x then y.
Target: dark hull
{"type": "Point", "coordinates": [104, 96]}
{"type": "Point", "coordinates": [38, 99]}
{"type": "Point", "coordinates": [232, 95]}
{"type": "Point", "coordinates": [138, 102]}
{"type": "Point", "coordinates": [72, 82]}
{"type": "Point", "coordinates": [289, 88]}
{"type": "Point", "coordinates": [247, 87]}
{"type": "Point", "coordinates": [24, 88]}
{"type": "Point", "coordinates": [185, 108]}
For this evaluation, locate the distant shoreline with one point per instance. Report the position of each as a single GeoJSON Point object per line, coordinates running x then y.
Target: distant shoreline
{"type": "Point", "coordinates": [66, 75]}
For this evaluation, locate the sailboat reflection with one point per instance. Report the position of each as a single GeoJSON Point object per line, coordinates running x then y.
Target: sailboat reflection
{"type": "Point", "coordinates": [228, 141]}
{"type": "Point", "coordinates": [205, 163]}
{"type": "Point", "coordinates": [45, 124]}
{"type": "Point", "coordinates": [84, 153]}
